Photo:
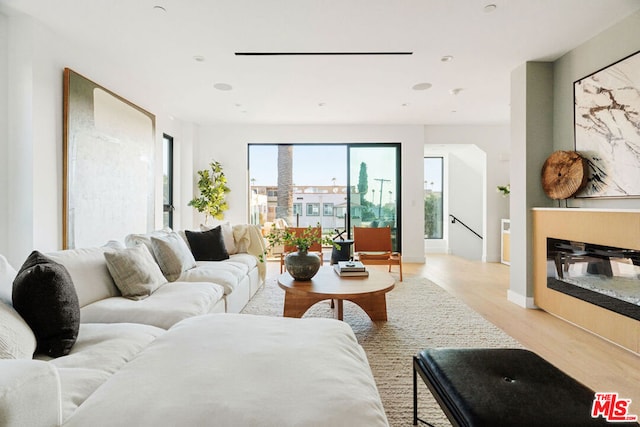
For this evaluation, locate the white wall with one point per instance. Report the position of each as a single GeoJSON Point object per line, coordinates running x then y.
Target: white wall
{"type": "Point", "coordinates": [228, 145]}
{"type": "Point", "coordinates": [33, 182]}
{"type": "Point", "coordinates": [494, 141]}
{"type": "Point", "coordinates": [4, 135]}
{"type": "Point", "coordinates": [466, 195]}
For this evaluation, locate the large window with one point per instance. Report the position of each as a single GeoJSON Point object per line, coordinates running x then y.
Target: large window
{"type": "Point", "coordinates": [336, 185]}
{"type": "Point", "coordinates": [433, 196]}
{"type": "Point", "coordinates": [167, 180]}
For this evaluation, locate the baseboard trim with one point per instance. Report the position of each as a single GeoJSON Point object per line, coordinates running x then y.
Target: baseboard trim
{"type": "Point", "coordinates": [521, 300]}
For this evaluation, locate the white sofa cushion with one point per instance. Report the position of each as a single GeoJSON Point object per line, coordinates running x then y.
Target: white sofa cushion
{"type": "Point", "coordinates": [88, 270]}
{"type": "Point", "coordinates": [7, 274]}
{"type": "Point", "coordinates": [173, 255]}
{"type": "Point", "coordinates": [29, 394]}
{"type": "Point", "coordinates": [100, 351]}
{"type": "Point", "coordinates": [242, 370]}
{"type": "Point", "coordinates": [219, 272]}
{"type": "Point", "coordinates": [249, 261]}
{"type": "Point", "coordinates": [134, 271]}
{"type": "Point", "coordinates": [17, 340]}
{"type": "Point", "coordinates": [169, 304]}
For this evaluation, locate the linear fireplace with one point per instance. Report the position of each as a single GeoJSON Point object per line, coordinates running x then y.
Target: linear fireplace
{"type": "Point", "coordinates": [606, 276]}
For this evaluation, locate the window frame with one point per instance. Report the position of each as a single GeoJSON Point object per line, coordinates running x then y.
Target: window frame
{"type": "Point", "coordinates": [311, 205]}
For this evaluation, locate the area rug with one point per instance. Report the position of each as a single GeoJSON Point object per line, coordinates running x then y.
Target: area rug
{"type": "Point", "coordinates": [420, 315]}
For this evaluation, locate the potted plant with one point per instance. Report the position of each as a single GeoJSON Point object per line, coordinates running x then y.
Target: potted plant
{"type": "Point", "coordinates": [302, 264]}
{"type": "Point", "coordinates": [504, 189]}
{"type": "Point", "coordinates": [213, 190]}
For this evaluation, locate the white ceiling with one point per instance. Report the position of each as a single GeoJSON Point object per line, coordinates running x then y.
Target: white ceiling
{"type": "Point", "coordinates": [155, 52]}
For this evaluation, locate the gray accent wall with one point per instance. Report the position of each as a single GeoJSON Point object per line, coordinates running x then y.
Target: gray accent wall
{"type": "Point", "coordinates": [541, 123]}
{"type": "Point", "coordinates": [613, 44]}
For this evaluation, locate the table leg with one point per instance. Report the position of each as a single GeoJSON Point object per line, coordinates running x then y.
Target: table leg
{"type": "Point", "coordinates": [297, 305]}
{"type": "Point", "coordinates": [374, 305]}
{"type": "Point", "coordinates": [339, 313]}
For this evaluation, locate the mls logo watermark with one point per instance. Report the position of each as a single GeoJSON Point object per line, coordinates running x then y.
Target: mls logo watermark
{"type": "Point", "coordinates": [612, 408]}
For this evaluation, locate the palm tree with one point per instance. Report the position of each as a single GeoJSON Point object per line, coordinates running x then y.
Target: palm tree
{"type": "Point", "coordinates": [284, 209]}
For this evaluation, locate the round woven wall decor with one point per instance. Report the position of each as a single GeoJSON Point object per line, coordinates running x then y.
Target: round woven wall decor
{"type": "Point", "coordinates": [564, 173]}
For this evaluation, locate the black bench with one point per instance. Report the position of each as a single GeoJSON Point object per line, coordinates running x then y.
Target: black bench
{"type": "Point", "coordinates": [503, 387]}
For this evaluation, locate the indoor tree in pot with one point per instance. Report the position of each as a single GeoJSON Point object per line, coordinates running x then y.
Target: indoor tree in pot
{"type": "Point", "coordinates": [302, 264]}
{"type": "Point", "coordinates": [213, 190]}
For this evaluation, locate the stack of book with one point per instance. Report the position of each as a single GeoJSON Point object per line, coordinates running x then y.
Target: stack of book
{"type": "Point", "coordinates": [350, 268]}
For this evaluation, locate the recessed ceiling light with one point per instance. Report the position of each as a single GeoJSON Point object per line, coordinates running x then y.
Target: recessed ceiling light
{"type": "Point", "coordinates": [422, 86]}
{"type": "Point", "coordinates": [198, 58]}
{"type": "Point", "coordinates": [490, 8]}
{"type": "Point", "coordinates": [446, 58]}
{"type": "Point", "coordinates": [159, 9]}
{"type": "Point", "coordinates": [223, 86]}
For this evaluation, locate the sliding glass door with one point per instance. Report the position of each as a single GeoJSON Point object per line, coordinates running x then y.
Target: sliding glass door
{"type": "Point", "coordinates": [374, 176]}
{"type": "Point", "coordinates": [334, 185]}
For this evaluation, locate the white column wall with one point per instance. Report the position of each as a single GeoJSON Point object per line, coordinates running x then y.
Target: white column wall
{"type": "Point", "coordinates": [531, 131]}
{"type": "Point", "coordinates": [4, 135]}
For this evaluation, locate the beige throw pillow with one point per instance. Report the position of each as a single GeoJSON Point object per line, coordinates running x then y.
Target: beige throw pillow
{"type": "Point", "coordinates": [17, 340]}
{"type": "Point", "coordinates": [7, 274]}
{"type": "Point", "coordinates": [134, 271]}
{"type": "Point", "coordinates": [173, 255]}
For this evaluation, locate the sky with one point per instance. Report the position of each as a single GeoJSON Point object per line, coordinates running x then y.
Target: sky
{"type": "Point", "coordinates": [318, 164]}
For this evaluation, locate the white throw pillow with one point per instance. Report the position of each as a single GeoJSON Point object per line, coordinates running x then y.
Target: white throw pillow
{"type": "Point", "coordinates": [7, 274]}
{"type": "Point", "coordinates": [17, 340]}
{"type": "Point", "coordinates": [227, 235]}
{"type": "Point", "coordinates": [173, 255]}
{"type": "Point", "coordinates": [134, 271]}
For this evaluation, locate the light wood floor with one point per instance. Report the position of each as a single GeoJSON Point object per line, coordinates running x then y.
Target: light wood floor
{"type": "Point", "coordinates": [595, 362]}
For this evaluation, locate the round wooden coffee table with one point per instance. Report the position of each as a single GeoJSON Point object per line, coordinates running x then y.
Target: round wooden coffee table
{"type": "Point", "coordinates": [367, 292]}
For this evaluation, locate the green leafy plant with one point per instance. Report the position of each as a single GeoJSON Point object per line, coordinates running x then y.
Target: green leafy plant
{"type": "Point", "coordinates": [301, 241]}
{"type": "Point", "coordinates": [504, 189]}
{"type": "Point", "coordinates": [213, 190]}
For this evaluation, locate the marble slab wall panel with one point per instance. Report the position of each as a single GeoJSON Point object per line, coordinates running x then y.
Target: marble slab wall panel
{"type": "Point", "coordinates": [607, 128]}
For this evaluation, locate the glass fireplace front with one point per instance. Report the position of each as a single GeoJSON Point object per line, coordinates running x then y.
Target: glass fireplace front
{"type": "Point", "coordinates": [602, 275]}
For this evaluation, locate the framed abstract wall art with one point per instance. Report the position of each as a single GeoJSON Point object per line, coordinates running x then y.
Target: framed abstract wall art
{"type": "Point", "coordinates": [108, 181]}
{"type": "Point", "coordinates": [607, 128]}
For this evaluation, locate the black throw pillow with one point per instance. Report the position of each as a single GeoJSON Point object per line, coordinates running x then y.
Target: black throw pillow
{"type": "Point", "coordinates": [45, 297]}
{"type": "Point", "coordinates": [207, 245]}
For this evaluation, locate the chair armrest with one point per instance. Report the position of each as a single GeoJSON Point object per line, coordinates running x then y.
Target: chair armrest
{"type": "Point", "coordinates": [29, 394]}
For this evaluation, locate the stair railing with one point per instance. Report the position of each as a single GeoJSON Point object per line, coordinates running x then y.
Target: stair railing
{"type": "Point", "coordinates": [455, 219]}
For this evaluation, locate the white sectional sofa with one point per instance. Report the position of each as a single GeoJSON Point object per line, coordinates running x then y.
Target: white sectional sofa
{"type": "Point", "coordinates": [176, 358]}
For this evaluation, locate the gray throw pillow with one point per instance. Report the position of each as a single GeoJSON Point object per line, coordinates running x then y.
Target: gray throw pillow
{"type": "Point", "coordinates": [173, 255]}
{"type": "Point", "coordinates": [134, 271]}
{"type": "Point", "coordinates": [207, 245]}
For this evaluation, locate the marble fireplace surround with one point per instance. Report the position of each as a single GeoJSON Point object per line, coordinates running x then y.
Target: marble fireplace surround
{"type": "Point", "coordinates": [614, 228]}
